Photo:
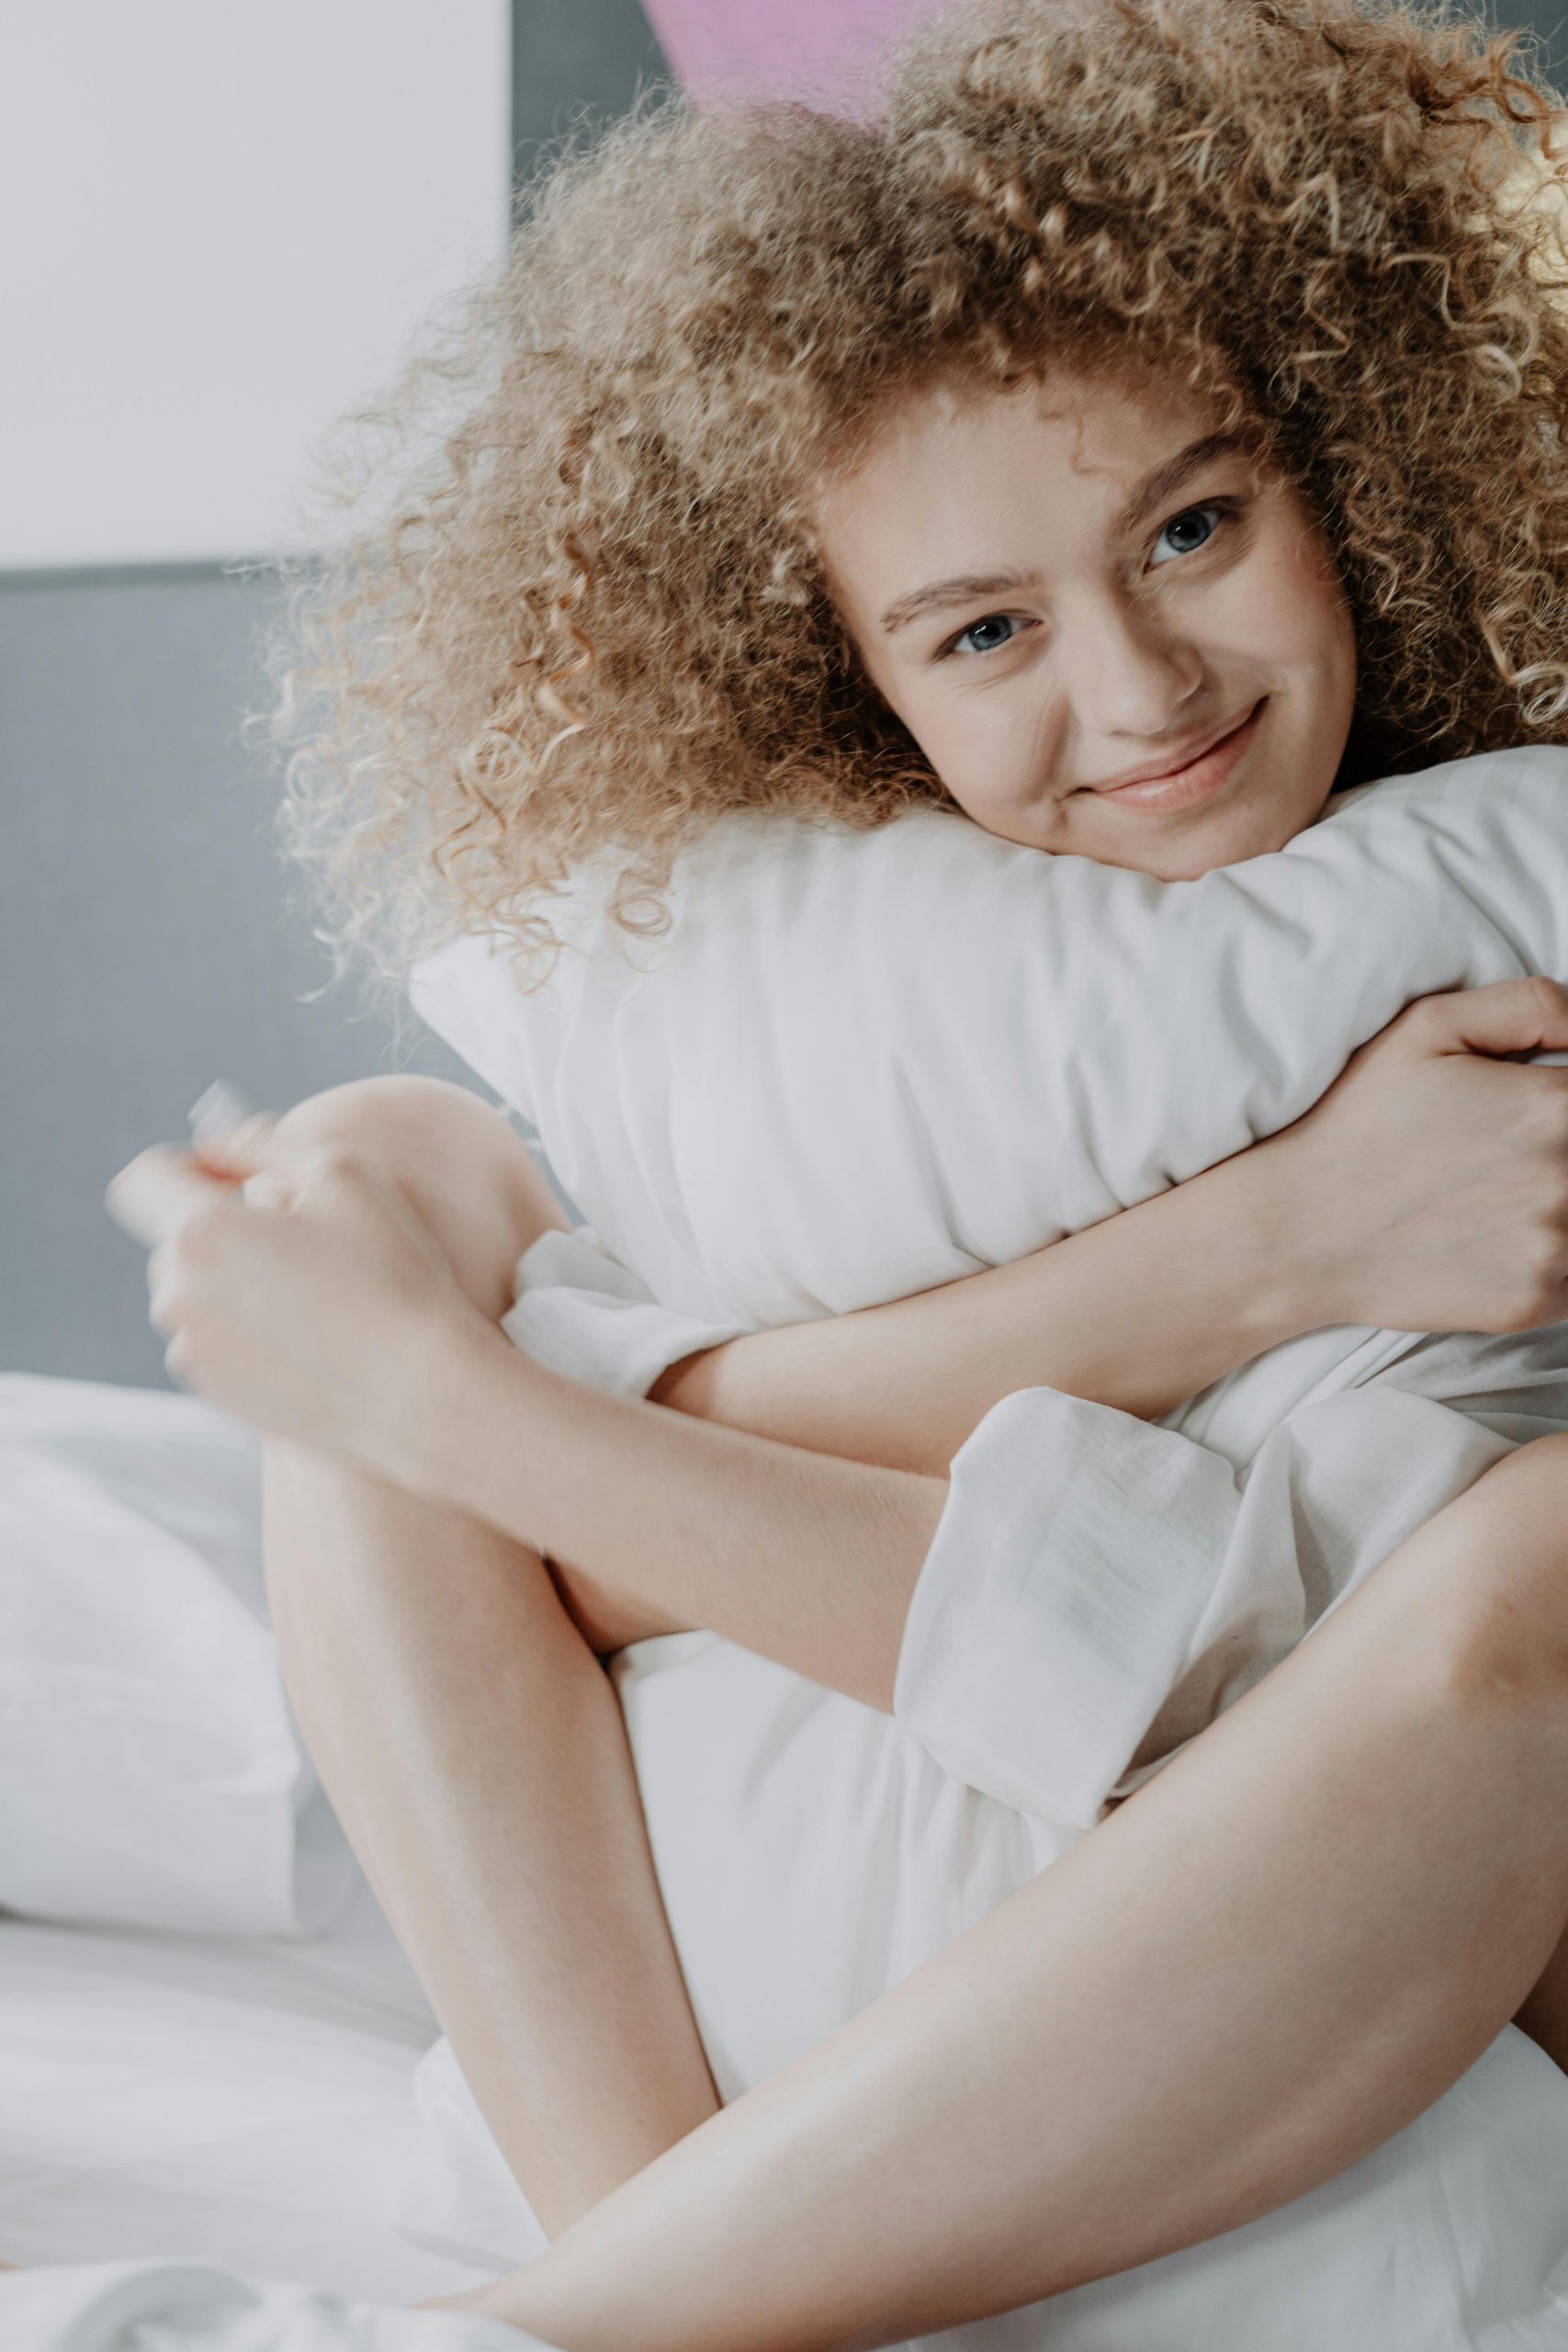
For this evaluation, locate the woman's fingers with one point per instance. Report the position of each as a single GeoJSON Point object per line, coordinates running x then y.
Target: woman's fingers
{"type": "Point", "coordinates": [1522, 1016]}
{"type": "Point", "coordinates": [153, 1195]}
{"type": "Point", "coordinates": [237, 1149]}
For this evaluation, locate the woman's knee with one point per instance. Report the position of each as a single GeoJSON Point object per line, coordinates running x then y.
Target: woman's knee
{"type": "Point", "coordinates": [1497, 1625]}
{"type": "Point", "coordinates": [456, 1158]}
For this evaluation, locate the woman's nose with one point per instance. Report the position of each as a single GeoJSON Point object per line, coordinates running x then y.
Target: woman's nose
{"type": "Point", "coordinates": [1128, 673]}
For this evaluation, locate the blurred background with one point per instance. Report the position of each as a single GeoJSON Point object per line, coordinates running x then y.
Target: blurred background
{"type": "Point", "coordinates": [225, 219]}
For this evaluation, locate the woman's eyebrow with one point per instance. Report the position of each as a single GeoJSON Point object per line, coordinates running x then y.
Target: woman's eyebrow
{"type": "Point", "coordinates": [1157, 489]}
{"type": "Point", "coordinates": [1152, 492]}
{"type": "Point", "coordinates": [962, 589]}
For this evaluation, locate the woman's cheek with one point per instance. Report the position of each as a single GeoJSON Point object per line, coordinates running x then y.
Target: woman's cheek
{"type": "Point", "coordinates": [988, 752]}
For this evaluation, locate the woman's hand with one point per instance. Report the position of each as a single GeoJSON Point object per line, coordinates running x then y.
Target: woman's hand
{"type": "Point", "coordinates": [1427, 1191]}
{"type": "Point", "coordinates": [309, 1299]}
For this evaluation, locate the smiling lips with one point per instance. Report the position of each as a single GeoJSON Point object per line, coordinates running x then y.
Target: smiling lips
{"type": "Point", "coordinates": [1198, 778]}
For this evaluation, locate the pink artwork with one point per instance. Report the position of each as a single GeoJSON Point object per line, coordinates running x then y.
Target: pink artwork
{"type": "Point", "coordinates": [795, 48]}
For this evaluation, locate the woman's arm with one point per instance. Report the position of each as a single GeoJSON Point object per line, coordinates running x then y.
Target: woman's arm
{"type": "Point", "coordinates": [337, 1321]}
{"type": "Point", "coordinates": [1427, 1190]}
{"type": "Point", "coordinates": [1138, 1312]}
{"type": "Point", "coordinates": [661, 1508]}
{"type": "Point", "coordinates": [811, 1556]}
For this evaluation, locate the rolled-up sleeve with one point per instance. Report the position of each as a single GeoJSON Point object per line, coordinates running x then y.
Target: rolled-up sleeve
{"type": "Point", "coordinates": [1098, 1588]}
{"type": "Point", "coordinates": [580, 1311]}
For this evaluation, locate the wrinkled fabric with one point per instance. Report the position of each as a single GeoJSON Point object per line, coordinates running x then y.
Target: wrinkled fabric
{"type": "Point", "coordinates": [186, 2307]}
{"type": "Point", "coordinates": [153, 1773]}
{"type": "Point", "coordinates": [1098, 1588]}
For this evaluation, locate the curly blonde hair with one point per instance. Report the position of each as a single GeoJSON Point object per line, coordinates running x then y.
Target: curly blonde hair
{"type": "Point", "coordinates": [592, 618]}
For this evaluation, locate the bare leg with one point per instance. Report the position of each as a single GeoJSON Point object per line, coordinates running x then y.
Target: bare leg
{"type": "Point", "coordinates": [470, 1741]}
{"type": "Point", "coordinates": [1265, 1963]}
{"type": "Point", "coordinates": [1544, 2015]}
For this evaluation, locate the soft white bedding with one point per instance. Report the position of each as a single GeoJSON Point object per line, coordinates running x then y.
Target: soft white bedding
{"type": "Point", "coordinates": [236, 2102]}
{"type": "Point", "coordinates": [242, 2104]}
{"type": "Point", "coordinates": [189, 2307]}
{"type": "Point", "coordinates": [241, 2101]}
{"type": "Point", "coordinates": [152, 1774]}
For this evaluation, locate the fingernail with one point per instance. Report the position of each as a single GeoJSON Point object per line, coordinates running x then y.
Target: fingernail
{"type": "Point", "coordinates": [218, 1110]}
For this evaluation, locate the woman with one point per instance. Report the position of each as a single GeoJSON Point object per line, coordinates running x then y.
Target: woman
{"type": "Point", "coordinates": [1190, 2019]}
{"type": "Point", "coordinates": [1171, 2109]}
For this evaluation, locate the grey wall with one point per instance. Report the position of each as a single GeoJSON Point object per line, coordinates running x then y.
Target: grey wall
{"type": "Point", "coordinates": [145, 944]}
{"type": "Point", "coordinates": [572, 61]}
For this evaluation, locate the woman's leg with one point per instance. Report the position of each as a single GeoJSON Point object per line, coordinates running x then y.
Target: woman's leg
{"type": "Point", "coordinates": [1544, 2015]}
{"type": "Point", "coordinates": [471, 1742]}
{"type": "Point", "coordinates": [1271, 1958]}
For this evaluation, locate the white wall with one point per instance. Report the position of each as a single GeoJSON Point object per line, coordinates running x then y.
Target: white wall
{"type": "Point", "coordinates": [223, 221]}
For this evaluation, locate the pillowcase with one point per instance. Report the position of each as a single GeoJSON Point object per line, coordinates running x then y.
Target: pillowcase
{"type": "Point", "coordinates": [861, 1064]}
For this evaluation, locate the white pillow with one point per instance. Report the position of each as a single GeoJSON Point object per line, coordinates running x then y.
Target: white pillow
{"type": "Point", "coordinates": [866, 1063]}
{"type": "Point", "coordinates": [150, 1771]}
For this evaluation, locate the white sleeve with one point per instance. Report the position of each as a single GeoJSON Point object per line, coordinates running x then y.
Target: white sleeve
{"type": "Point", "coordinates": [1099, 1588]}
{"type": "Point", "coordinates": [579, 1311]}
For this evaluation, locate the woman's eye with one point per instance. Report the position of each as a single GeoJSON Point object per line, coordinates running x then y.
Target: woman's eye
{"type": "Point", "coordinates": [1187, 531]}
{"type": "Point", "coordinates": [986, 636]}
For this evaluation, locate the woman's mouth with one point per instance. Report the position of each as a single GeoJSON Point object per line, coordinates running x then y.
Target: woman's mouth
{"type": "Point", "coordinates": [1197, 780]}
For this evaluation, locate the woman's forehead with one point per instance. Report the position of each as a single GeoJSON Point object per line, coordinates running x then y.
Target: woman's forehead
{"type": "Point", "coordinates": [959, 461]}
{"type": "Point", "coordinates": [1088, 425]}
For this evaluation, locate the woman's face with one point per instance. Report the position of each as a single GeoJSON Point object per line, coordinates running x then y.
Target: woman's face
{"type": "Point", "coordinates": [1108, 631]}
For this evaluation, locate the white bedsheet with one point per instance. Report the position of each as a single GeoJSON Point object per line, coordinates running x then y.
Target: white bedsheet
{"type": "Point", "coordinates": [242, 2104]}
{"type": "Point", "coordinates": [186, 2307]}
{"type": "Point", "coordinates": [153, 1773]}
{"type": "Point", "coordinates": [183, 2112]}
{"type": "Point", "coordinates": [243, 2101]}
